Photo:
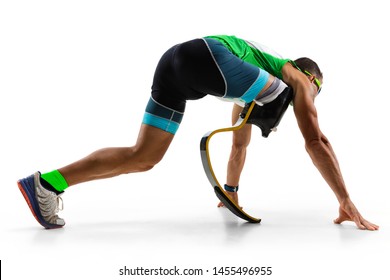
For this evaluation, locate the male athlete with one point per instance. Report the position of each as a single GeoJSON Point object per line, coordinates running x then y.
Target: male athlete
{"type": "Point", "coordinates": [222, 66]}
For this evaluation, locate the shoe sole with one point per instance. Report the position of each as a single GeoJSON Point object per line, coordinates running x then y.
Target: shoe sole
{"type": "Point", "coordinates": [28, 192]}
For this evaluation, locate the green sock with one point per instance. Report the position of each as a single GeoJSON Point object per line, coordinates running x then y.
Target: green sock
{"type": "Point", "coordinates": [56, 180]}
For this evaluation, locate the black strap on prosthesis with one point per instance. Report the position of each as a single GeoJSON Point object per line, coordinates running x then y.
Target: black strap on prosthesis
{"type": "Point", "coordinates": [268, 116]}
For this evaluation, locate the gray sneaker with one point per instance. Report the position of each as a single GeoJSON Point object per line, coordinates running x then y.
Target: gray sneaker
{"type": "Point", "coordinates": [44, 204]}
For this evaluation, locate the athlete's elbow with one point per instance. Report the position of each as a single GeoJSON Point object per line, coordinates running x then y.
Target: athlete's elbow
{"type": "Point", "coordinates": [313, 144]}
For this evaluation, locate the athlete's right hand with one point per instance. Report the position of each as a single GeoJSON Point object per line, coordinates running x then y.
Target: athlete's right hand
{"type": "Point", "coordinates": [233, 196]}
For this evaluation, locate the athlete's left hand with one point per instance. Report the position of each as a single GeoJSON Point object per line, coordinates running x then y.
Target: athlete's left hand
{"type": "Point", "coordinates": [349, 212]}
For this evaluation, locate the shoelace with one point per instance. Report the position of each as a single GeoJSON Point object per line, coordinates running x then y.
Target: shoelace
{"type": "Point", "coordinates": [60, 204]}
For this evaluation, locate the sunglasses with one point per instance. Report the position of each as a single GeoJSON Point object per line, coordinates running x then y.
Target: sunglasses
{"type": "Point", "coordinates": [318, 83]}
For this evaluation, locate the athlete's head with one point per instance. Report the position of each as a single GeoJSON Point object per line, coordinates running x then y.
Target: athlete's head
{"type": "Point", "coordinates": [310, 68]}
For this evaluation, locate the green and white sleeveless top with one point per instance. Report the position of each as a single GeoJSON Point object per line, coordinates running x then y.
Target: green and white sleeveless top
{"type": "Point", "coordinates": [260, 56]}
{"type": "Point", "coordinates": [254, 53]}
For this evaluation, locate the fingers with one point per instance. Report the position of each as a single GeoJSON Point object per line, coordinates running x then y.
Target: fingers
{"type": "Point", "coordinates": [220, 204]}
{"type": "Point", "coordinates": [360, 222]}
{"type": "Point", "coordinates": [232, 195]}
{"type": "Point", "coordinates": [369, 226]}
{"type": "Point", "coordinates": [366, 225]}
{"type": "Point", "coordinates": [349, 212]}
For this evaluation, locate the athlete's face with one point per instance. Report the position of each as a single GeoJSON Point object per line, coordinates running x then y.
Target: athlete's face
{"type": "Point", "coordinates": [313, 79]}
{"type": "Point", "coordinates": [316, 84]}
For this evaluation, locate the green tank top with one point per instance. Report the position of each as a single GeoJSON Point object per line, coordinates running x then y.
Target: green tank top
{"type": "Point", "coordinates": [254, 53]}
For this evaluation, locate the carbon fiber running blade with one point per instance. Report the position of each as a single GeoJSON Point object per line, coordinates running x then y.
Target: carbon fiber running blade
{"type": "Point", "coordinates": [207, 166]}
{"type": "Point", "coordinates": [233, 208]}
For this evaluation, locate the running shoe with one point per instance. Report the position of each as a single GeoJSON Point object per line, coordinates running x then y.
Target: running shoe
{"type": "Point", "coordinates": [44, 204]}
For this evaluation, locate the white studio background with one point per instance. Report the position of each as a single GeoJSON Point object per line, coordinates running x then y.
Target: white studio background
{"type": "Point", "coordinates": [75, 76]}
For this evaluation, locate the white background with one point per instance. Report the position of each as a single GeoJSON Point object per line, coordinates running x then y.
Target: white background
{"type": "Point", "coordinates": [75, 76]}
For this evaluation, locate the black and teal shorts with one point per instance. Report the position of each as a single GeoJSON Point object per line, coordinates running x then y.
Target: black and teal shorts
{"type": "Point", "coordinates": [192, 70]}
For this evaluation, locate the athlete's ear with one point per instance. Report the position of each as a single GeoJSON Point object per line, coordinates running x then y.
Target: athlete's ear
{"type": "Point", "coordinates": [312, 78]}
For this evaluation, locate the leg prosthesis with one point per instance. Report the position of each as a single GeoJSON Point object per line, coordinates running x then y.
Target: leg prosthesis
{"type": "Point", "coordinates": [267, 117]}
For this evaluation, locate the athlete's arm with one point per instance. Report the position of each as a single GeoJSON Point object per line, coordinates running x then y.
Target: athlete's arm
{"type": "Point", "coordinates": [241, 140]}
{"type": "Point", "coordinates": [319, 147]}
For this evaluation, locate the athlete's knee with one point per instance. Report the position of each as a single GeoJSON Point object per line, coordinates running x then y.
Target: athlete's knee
{"type": "Point", "coordinates": [146, 161]}
{"type": "Point", "coordinates": [139, 166]}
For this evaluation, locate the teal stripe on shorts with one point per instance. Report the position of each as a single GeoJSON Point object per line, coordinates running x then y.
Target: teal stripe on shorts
{"type": "Point", "coordinates": [162, 117]}
{"type": "Point", "coordinates": [256, 87]}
